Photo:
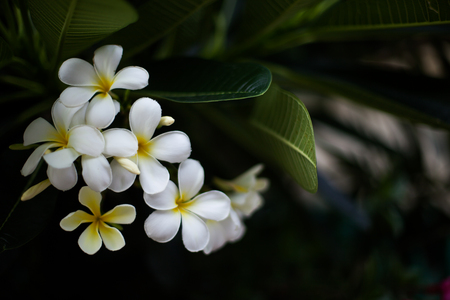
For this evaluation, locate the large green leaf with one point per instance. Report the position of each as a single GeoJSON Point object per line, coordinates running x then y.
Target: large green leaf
{"type": "Point", "coordinates": [156, 19]}
{"type": "Point", "coordinates": [200, 80]}
{"type": "Point", "coordinates": [413, 97]}
{"type": "Point", "coordinates": [69, 26]}
{"type": "Point", "coordinates": [285, 130]}
{"type": "Point", "coordinates": [361, 19]}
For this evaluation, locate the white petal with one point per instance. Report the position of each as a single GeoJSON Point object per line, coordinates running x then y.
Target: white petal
{"type": "Point", "coordinates": [74, 96]}
{"type": "Point", "coordinates": [79, 118]}
{"type": "Point", "coordinates": [233, 226]}
{"type": "Point", "coordinates": [195, 232]}
{"type": "Point", "coordinates": [61, 159]}
{"type": "Point", "coordinates": [33, 160]}
{"type": "Point", "coordinates": [154, 176]}
{"type": "Point", "coordinates": [213, 205]}
{"type": "Point", "coordinates": [131, 78]}
{"type": "Point", "coordinates": [112, 238]}
{"type": "Point", "coordinates": [121, 214]}
{"type": "Point", "coordinates": [173, 147]}
{"type": "Point", "coordinates": [145, 114]}
{"type": "Point", "coordinates": [164, 200]}
{"type": "Point", "coordinates": [117, 106]}
{"type": "Point", "coordinates": [62, 116]}
{"type": "Point", "coordinates": [246, 203]}
{"type": "Point", "coordinates": [248, 178]}
{"type": "Point", "coordinates": [91, 199]}
{"type": "Point", "coordinates": [96, 172]}
{"type": "Point", "coordinates": [217, 236]}
{"type": "Point", "coordinates": [90, 240]}
{"type": "Point", "coordinates": [106, 60]}
{"type": "Point", "coordinates": [40, 131]}
{"type": "Point", "coordinates": [163, 225]}
{"type": "Point", "coordinates": [101, 111]}
{"type": "Point", "coordinates": [86, 140]}
{"type": "Point", "coordinates": [121, 178]}
{"type": "Point", "coordinates": [63, 179]}
{"type": "Point", "coordinates": [78, 72]}
{"type": "Point", "coordinates": [120, 142]}
{"type": "Point", "coordinates": [190, 178]}
{"type": "Point", "coordinates": [73, 220]}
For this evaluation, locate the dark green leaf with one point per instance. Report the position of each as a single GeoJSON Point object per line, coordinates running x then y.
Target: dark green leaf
{"type": "Point", "coordinates": [285, 131]}
{"type": "Point", "coordinates": [156, 19]}
{"type": "Point", "coordinates": [69, 26]}
{"type": "Point", "coordinates": [6, 53]}
{"type": "Point", "coordinates": [198, 80]}
{"type": "Point", "coordinates": [417, 98]}
{"type": "Point", "coordinates": [362, 19]}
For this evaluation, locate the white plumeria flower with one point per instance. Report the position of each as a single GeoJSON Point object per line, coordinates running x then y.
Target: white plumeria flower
{"type": "Point", "coordinates": [90, 240]}
{"type": "Point", "coordinates": [86, 81]}
{"type": "Point", "coordinates": [245, 199]}
{"type": "Point", "coordinates": [172, 146]}
{"type": "Point", "coordinates": [175, 206]}
{"type": "Point", "coordinates": [244, 190]}
{"type": "Point", "coordinates": [119, 143]}
{"type": "Point", "coordinates": [69, 143]}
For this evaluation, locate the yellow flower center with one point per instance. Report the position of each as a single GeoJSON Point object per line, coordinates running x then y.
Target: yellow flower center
{"type": "Point", "coordinates": [144, 147]}
{"type": "Point", "coordinates": [104, 84]}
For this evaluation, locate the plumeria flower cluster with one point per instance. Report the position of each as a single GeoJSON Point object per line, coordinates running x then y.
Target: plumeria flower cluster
{"type": "Point", "coordinates": [80, 142]}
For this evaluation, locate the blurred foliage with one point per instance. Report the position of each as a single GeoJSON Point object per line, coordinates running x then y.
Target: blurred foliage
{"type": "Point", "coordinates": [378, 227]}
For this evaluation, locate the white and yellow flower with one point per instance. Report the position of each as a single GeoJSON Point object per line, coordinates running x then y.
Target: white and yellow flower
{"type": "Point", "coordinates": [182, 206]}
{"type": "Point", "coordinates": [172, 146]}
{"type": "Point", "coordinates": [97, 81]}
{"type": "Point", "coordinates": [98, 231]}
{"type": "Point", "coordinates": [244, 192]}
{"type": "Point", "coordinates": [61, 145]}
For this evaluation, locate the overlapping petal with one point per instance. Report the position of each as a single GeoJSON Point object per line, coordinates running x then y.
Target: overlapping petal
{"type": "Point", "coordinates": [96, 172]}
{"type": "Point", "coordinates": [164, 200]}
{"type": "Point", "coordinates": [78, 72]}
{"type": "Point", "coordinates": [86, 140]}
{"type": "Point", "coordinates": [213, 205]}
{"type": "Point", "coordinates": [163, 225]}
{"type": "Point", "coordinates": [62, 116]}
{"type": "Point", "coordinates": [61, 159]}
{"type": "Point", "coordinates": [90, 240]}
{"type": "Point", "coordinates": [120, 142]}
{"type": "Point", "coordinates": [173, 147]}
{"type": "Point", "coordinates": [63, 179]}
{"type": "Point", "coordinates": [101, 111]}
{"type": "Point", "coordinates": [145, 114]}
{"type": "Point", "coordinates": [190, 178]}
{"type": "Point", "coordinates": [40, 131]}
{"type": "Point", "coordinates": [33, 160]}
{"type": "Point", "coordinates": [122, 178]}
{"type": "Point", "coordinates": [154, 176]}
{"type": "Point", "coordinates": [107, 59]}
{"type": "Point", "coordinates": [112, 238]}
{"type": "Point", "coordinates": [74, 96]}
{"type": "Point", "coordinates": [131, 78]}
{"type": "Point", "coordinates": [195, 233]}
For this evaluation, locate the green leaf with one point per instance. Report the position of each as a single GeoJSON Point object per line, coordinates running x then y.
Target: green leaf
{"type": "Point", "coordinates": [6, 53]}
{"type": "Point", "coordinates": [413, 97]}
{"type": "Point", "coordinates": [262, 17]}
{"type": "Point", "coordinates": [193, 80]}
{"type": "Point", "coordinates": [69, 26]}
{"type": "Point", "coordinates": [285, 130]}
{"type": "Point", "coordinates": [156, 19]}
{"type": "Point", "coordinates": [362, 19]}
